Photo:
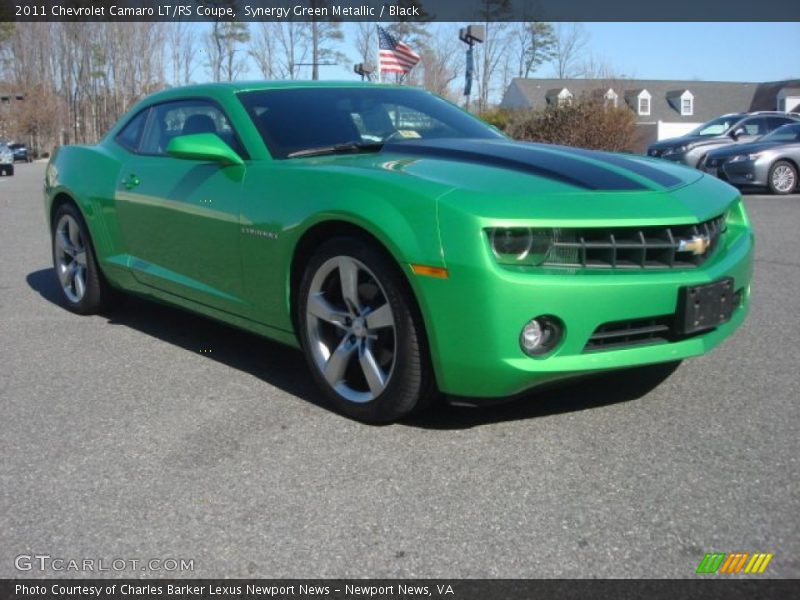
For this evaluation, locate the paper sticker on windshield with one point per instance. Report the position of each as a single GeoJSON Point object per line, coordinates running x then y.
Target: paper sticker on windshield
{"type": "Point", "coordinates": [408, 133]}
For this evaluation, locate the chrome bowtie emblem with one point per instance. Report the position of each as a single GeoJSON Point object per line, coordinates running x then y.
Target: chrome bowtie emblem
{"type": "Point", "coordinates": [698, 244]}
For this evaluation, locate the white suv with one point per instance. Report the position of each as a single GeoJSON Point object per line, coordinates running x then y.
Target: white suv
{"type": "Point", "coordinates": [6, 160]}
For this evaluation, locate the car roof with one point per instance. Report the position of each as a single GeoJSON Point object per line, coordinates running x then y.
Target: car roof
{"type": "Point", "coordinates": [215, 89]}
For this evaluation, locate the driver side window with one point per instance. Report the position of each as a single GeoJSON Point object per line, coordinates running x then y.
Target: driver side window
{"type": "Point", "coordinates": [185, 117]}
{"type": "Point", "coordinates": [754, 126]}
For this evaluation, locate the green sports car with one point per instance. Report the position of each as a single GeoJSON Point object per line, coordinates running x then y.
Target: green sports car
{"type": "Point", "coordinates": [404, 245]}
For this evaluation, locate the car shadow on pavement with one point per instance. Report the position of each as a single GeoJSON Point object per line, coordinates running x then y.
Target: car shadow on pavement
{"type": "Point", "coordinates": [589, 392]}
{"type": "Point", "coordinates": [274, 363]}
{"type": "Point", "coordinates": [285, 367]}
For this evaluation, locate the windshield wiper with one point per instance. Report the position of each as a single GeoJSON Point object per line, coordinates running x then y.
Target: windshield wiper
{"type": "Point", "coordinates": [348, 148]}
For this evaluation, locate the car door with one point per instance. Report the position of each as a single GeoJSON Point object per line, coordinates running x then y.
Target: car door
{"type": "Point", "coordinates": [179, 217]}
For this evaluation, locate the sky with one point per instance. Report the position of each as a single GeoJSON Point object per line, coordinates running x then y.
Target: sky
{"type": "Point", "coordinates": [705, 51]}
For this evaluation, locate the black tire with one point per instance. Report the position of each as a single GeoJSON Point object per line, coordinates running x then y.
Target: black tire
{"type": "Point", "coordinates": [98, 294]}
{"type": "Point", "coordinates": [789, 170]}
{"type": "Point", "coordinates": [11, 170]}
{"type": "Point", "coordinates": [409, 384]}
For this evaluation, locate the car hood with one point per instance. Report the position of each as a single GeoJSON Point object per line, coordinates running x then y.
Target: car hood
{"type": "Point", "coordinates": [691, 140]}
{"type": "Point", "coordinates": [506, 179]}
{"type": "Point", "coordinates": [748, 148]}
{"type": "Point", "coordinates": [573, 168]}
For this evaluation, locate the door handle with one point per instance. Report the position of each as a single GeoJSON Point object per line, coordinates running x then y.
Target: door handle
{"type": "Point", "coordinates": [131, 182]}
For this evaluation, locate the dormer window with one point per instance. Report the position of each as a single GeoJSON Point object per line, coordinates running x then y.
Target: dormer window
{"type": "Point", "coordinates": [644, 103]}
{"type": "Point", "coordinates": [687, 104]}
{"type": "Point", "coordinates": [610, 98]}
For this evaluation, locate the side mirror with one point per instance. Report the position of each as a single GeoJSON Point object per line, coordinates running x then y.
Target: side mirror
{"type": "Point", "coordinates": [739, 131]}
{"type": "Point", "coordinates": [203, 146]}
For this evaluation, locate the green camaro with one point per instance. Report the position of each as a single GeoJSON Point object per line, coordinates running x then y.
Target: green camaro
{"type": "Point", "coordinates": [403, 244]}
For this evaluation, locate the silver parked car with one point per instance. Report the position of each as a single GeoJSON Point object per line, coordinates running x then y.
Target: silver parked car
{"type": "Point", "coordinates": [772, 161]}
{"type": "Point", "coordinates": [737, 128]}
{"type": "Point", "coordinates": [6, 160]}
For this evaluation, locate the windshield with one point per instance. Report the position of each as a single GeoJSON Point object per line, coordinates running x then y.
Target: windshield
{"type": "Point", "coordinates": [716, 126]}
{"type": "Point", "coordinates": [787, 133]}
{"type": "Point", "coordinates": [295, 120]}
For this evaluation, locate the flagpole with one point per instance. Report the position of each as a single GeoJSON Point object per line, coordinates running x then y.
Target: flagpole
{"type": "Point", "coordinates": [378, 50]}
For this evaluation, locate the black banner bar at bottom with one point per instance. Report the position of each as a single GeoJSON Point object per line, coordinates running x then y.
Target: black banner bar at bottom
{"type": "Point", "coordinates": [397, 589]}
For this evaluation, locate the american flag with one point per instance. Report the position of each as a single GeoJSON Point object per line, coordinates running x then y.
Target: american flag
{"type": "Point", "coordinates": [394, 56]}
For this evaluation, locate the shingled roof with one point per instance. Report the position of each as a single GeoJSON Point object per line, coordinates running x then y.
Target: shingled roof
{"type": "Point", "coordinates": [711, 98]}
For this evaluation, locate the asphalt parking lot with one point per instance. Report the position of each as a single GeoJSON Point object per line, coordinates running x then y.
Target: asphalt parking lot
{"type": "Point", "coordinates": [148, 433]}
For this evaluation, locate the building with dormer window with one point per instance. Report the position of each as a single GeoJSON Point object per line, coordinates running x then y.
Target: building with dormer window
{"type": "Point", "coordinates": [663, 109]}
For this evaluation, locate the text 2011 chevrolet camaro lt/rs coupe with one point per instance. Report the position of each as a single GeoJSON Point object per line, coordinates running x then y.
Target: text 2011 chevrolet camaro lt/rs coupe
{"type": "Point", "coordinates": [404, 245]}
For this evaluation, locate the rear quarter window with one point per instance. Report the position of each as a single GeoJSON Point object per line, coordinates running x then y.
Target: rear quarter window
{"type": "Point", "coordinates": [130, 135]}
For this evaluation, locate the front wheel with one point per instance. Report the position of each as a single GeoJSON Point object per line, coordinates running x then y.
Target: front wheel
{"type": "Point", "coordinates": [83, 288]}
{"type": "Point", "coordinates": [782, 178]}
{"type": "Point", "coordinates": [361, 333]}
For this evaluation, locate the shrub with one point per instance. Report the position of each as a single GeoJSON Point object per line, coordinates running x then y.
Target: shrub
{"type": "Point", "coordinates": [498, 117]}
{"type": "Point", "coordinates": [586, 123]}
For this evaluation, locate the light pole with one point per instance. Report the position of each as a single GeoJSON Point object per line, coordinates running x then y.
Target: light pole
{"type": "Point", "coordinates": [470, 35]}
{"type": "Point", "coordinates": [365, 70]}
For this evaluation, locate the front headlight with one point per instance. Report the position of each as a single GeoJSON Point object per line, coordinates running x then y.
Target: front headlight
{"type": "Point", "coordinates": [676, 150]}
{"type": "Point", "coordinates": [744, 157]}
{"type": "Point", "coordinates": [520, 246]}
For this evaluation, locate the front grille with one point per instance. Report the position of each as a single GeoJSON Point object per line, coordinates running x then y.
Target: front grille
{"type": "Point", "coordinates": [622, 334]}
{"type": "Point", "coordinates": [636, 247]}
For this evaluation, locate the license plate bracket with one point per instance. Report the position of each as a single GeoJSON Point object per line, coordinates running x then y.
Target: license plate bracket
{"type": "Point", "coordinates": [703, 307]}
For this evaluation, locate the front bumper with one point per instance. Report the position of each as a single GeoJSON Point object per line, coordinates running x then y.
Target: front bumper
{"type": "Point", "coordinates": [474, 318]}
{"type": "Point", "coordinates": [747, 172]}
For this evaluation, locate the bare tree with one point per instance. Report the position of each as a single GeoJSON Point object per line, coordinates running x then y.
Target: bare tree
{"type": "Point", "coordinates": [491, 52]}
{"type": "Point", "coordinates": [262, 48]}
{"type": "Point", "coordinates": [367, 42]}
{"type": "Point", "coordinates": [324, 37]}
{"type": "Point", "coordinates": [224, 45]}
{"type": "Point", "coordinates": [571, 41]}
{"type": "Point", "coordinates": [534, 43]}
{"type": "Point", "coordinates": [440, 65]}
{"type": "Point", "coordinates": [293, 46]}
{"type": "Point", "coordinates": [181, 48]}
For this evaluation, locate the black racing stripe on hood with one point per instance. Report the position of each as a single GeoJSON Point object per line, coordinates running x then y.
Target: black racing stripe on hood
{"type": "Point", "coordinates": [526, 158]}
{"type": "Point", "coordinates": [652, 173]}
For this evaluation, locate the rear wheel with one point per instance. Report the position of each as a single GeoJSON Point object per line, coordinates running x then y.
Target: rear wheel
{"type": "Point", "coordinates": [360, 333]}
{"type": "Point", "coordinates": [782, 178]}
{"type": "Point", "coordinates": [83, 288]}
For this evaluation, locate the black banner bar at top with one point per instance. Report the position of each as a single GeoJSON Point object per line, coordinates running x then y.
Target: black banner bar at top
{"type": "Point", "coordinates": [401, 10]}
{"type": "Point", "coordinates": [700, 588]}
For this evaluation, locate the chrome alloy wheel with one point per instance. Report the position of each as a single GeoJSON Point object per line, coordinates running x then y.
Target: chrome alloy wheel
{"type": "Point", "coordinates": [351, 329]}
{"type": "Point", "coordinates": [783, 179]}
{"type": "Point", "coordinates": [70, 258]}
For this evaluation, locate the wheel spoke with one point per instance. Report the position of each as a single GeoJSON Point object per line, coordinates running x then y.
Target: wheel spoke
{"type": "Point", "coordinates": [322, 309]}
{"type": "Point", "coordinates": [65, 274]}
{"type": "Point", "coordinates": [80, 258]}
{"type": "Point", "coordinates": [74, 234]}
{"type": "Point", "coordinates": [376, 379]}
{"type": "Point", "coordinates": [380, 317]}
{"type": "Point", "coordinates": [78, 281]}
{"type": "Point", "coordinates": [348, 275]}
{"type": "Point", "coordinates": [337, 363]}
{"type": "Point", "coordinates": [63, 242]}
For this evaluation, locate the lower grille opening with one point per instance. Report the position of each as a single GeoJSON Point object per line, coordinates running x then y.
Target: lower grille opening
{"type": "Point", "coordinates": [617, 335]}
{"type": "Point", "coordinates": [623, 334]}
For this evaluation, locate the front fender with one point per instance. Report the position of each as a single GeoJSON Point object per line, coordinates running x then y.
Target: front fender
{"type": "Point", "coordinates": [281, 204]}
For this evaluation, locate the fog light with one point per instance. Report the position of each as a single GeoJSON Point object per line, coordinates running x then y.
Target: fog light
{"type": "Point", "coordinates": [540, 335]}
